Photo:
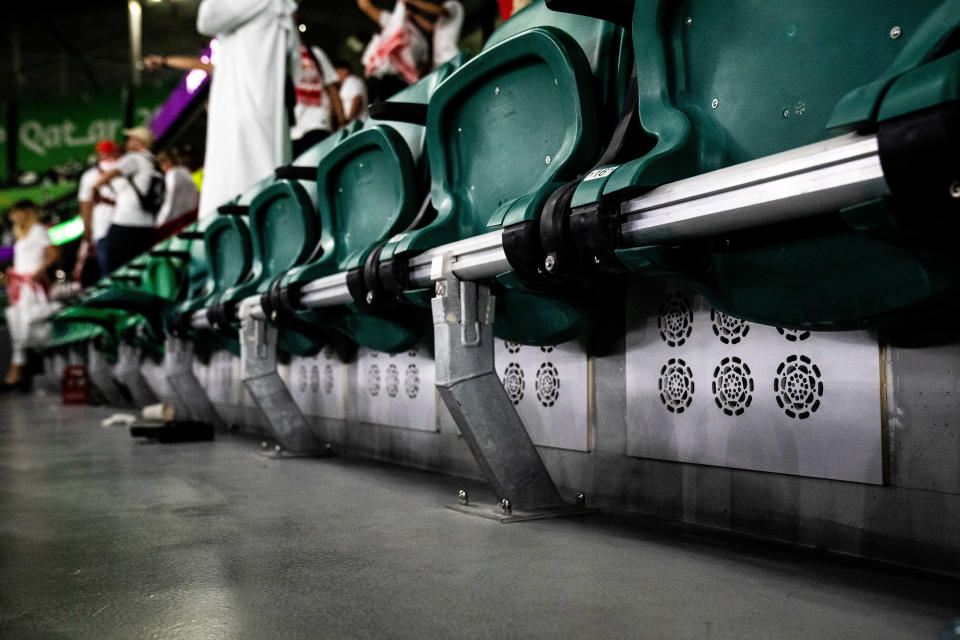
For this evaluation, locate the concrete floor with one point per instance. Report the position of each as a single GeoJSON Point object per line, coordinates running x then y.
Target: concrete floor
{"type": "Point", "coordinates": [102, 536]}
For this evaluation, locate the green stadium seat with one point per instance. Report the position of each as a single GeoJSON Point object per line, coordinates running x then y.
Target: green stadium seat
{"type": "Point", "coordinates": [722, 84]}
{"type": "Point", "coordinates": [369, 187]}
{"type": "Point", "coordinates": [526, 115]}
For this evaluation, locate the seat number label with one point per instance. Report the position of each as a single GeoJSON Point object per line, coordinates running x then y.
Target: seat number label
{"type": "Point", "coordinates": [600, 173]}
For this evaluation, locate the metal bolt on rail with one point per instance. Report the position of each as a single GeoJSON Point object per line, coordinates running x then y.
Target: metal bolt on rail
{"type": "Point", "coordinates": [506, 506]}
{"type": "Point", "coordinates": [463, 497]}
{"type": "Point", "coordinates": [581, 500]}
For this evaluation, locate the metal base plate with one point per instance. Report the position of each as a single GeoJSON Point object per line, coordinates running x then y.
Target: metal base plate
{"type": "Point", "coordinates": [494, 512]}
{"type": "Point", "coordinates": [276, 452]}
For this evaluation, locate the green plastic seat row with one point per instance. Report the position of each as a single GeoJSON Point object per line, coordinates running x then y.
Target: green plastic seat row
{"type": "Point", "coordinates": [370, 184]}
{"type": "Point", "coordinates": [283, 227]}
{"type": "Point", "coordinates": [228, 272]}
{"type": "Point", "coordinates": [725, 83]}
{"type": "Point", "coordinates": [531, 114]}
{"type": "Point", "coordinates": [528, 114]}
{"type": "Point", "coordinates": [369, 187]}
{"type": "Point", "coordinates": [146, 288]}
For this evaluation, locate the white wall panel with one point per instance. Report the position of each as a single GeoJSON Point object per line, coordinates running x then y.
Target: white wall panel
{"type": "Point", "coordinates": [708, 388]}
{"type": "Point", "coordinates": [318, 384]}
{"type": "Point", "coordinates": [548, 387]}
{"type": "Point", "coordinates": [396, 389]}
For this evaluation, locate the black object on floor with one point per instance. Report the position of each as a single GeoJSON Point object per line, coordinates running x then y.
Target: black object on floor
{"type": "Point", "coordinates": [176, 431]}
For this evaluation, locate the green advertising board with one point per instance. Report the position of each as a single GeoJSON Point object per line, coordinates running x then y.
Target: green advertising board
{"type": "Point", "coordinates": [54, 131]}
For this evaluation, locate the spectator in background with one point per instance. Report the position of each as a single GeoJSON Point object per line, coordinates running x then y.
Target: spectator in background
{"type": "Point", "coordinates": [446, 29]}
{"type": "Point", "coordinates": [27, 283]}
{"type": "Point", "coordinates": [397, 56]}
{"type": "Point", "coordinates": [96, 205]}
{"type": "Point", "coordinates": [180, 196]}
{"type": "Point", "coordinates": [353, 93]}
{"type": "Point", "coordinates": [132, 227]}
{"type": "Point", "coordinates": [247, 129]}
{"type": "Point", "coordinates": [318, 111]}
{"type": "Point", "coordinates": [444, 21]}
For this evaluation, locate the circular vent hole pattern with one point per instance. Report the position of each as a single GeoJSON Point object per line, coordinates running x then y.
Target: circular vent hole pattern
{"type": "Point", "coordinates": [730, 329]}
{"type": "Point", "coordinates": [676, 319]}
{"type": "Point", "coordinates": [513, 382]}
{"type": "Point", "coordinates": [327, 379]}
{"type": "Point", "coordinates": [798, 386]}
{"type": "Point", "coordinates": [373, 380]}
{"type": "Point", "coordinates": [732, 386]}
{"type": "Point", "coordinates": [676, 385]}
{"type": "Point", "coordinates": [392, 381]}
{"type": "Point", "coordinates": [547, 384]}
{"type": "Point", "coordinates": [411, 381]}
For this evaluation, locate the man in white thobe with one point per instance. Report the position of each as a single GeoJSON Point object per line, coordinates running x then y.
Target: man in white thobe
{"type": "Point", "coordinates": [247, 128]}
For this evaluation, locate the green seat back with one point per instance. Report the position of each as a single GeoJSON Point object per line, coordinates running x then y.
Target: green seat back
{"type": "Point", "coordinates": [371, 185]}
{"type": "Point", "coordinates": [227, 246]}
{"type": "Point", "coordinates": [516, 119]}
{"type": "Point", "coordinates": [724, 83]}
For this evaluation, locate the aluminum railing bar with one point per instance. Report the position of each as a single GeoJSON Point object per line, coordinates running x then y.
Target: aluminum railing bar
{"type": "Point", "coordinates": [809, 180]}
{"type": "Point", "coordinates": [825, 176]}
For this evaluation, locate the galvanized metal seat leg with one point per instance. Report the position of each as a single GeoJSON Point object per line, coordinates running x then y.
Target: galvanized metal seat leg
{"type": "Point", "coordinates": [101, 374]}
{"type": "Point", "coordinates": [258, 355]}
{"type": "Point", "coordinates": [469, 386]}
{"type": "Point", "coordinates": [127, 372]}
{"type": "Point", "coordinates": [178, 369]}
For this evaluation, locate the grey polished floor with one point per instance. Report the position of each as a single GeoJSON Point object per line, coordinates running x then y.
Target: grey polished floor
{"type": "Point", "coordinates": [105, 537]}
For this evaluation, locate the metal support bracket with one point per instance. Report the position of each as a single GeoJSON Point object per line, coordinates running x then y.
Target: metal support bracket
{"type": "Point", "coordinates": [127, 372]}
{"type": "Point", "coordinates": [469, 386]}
{"type": "Point", "coordinates": [191, 396]}
{"type": "Point", "coordinates": [258, 357]}
{"type": "Point", "coordinates": [101, 374]}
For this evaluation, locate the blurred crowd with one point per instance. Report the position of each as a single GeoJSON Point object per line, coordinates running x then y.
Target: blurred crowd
{"type": "Point", "coordinates": [273, 95]}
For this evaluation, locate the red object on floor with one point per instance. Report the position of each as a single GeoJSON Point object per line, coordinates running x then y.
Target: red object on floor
{"type": "Point", "coordinates": [75, 384]}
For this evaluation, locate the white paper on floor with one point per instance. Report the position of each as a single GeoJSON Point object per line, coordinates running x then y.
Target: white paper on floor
{"type": "Point", "coordinates": [708, 388]}
{"type": "Point", "coordinates": [318, 384]}
{"type": "Point", "coordinates": [396, 389]}
{"type": "Point", "coordinates": [548, 387]}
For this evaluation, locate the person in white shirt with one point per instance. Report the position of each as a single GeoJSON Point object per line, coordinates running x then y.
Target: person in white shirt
{"type": "Point", "coordinates": [96, 206]}
{"type": "Point", "coordinates": [132, 227]}
{"type": "Point", "coordinates": [180, 196]}
{"type": "Point", "coordinates": [318, 110]}
{"type": "Point", "coordinates": [353, 93]}
{"type": "Point", "coordinates": [398, 55]}
{"type": "Point", "coordinates": [444, 20]}
{"type": "Point", "coordinates": [27, 282]}
{"type": "Point", "coordinates": [446, 32]}
{"type": "Point", "coordinates": [247, 130]}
